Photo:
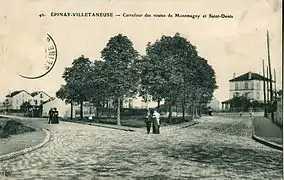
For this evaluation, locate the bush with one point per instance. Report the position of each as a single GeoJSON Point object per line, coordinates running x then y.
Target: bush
{"type": "Point", "coordinates": [133, 112]}
{"type": "Point", "coordinates": [13, 127]}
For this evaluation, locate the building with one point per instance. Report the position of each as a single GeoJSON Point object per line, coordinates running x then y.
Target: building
{"type": "Point", "coordinates": [250, 85]}
{"type": "Point", "coordinates": [63, 109]}
{"type": "Point", "coordinates": [39, 97]}
{"type": "Point", "coordinates": [138, 103]}
{"type": "Point", "coordinates": [214, 104]}
{"type": "Point", "coordinates": [15, 99]}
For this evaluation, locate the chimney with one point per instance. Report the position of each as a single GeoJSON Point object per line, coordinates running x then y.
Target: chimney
{"type": "Point", "coordinates": [249, 75]}
{"type": "Point", "coordinates": [234, 75]}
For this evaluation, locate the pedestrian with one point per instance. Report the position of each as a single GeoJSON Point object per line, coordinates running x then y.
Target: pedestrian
{"type": "Point", "coordinates": [156, 122]}
{"type": "Point", "coordinates": [210, 112]}
{"type": "Point", "coordinates": [55, 116]}
{"type": "Point", "coordinates": [148, 121]}
{"type": "Point", "coordinates": [50, 114]}
{"type": "Point", "coordinates": [251, 114]}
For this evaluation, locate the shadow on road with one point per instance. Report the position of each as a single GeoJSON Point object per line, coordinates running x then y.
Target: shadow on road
{"type": "Point", "coordinates": [228, 158]}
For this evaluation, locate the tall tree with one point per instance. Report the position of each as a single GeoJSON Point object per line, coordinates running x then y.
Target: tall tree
{"type": "Point", "coordinates": [77, 88]}
{"type": "Point", "coordinates": [164, 70]}
{"type": "Point", "coordinates": [122, 79]}
{"type": "Point", "coordinates": [98, 85]}
{"type": "Point", "coordinates": [173, 71]}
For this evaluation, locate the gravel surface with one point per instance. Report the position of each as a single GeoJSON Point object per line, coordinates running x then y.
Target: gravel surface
{"type": "Point", "coordinates": [216, 148]}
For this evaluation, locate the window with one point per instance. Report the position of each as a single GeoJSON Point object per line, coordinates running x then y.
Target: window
{"type": "Point", "coordinates": [35, 102]}
{"type": "Point", "coordinates": [41, 96]}
{"type": "Point", "coordinates": [258, 86]}
{"type": "Point", "coordinates": [246, 85]}
{"type": "Point", "coordinates": [236, 86]}
{"type": "Point", "coordinates": [257, 95]}
{"type": "Point", "coordinates": [41, 101]}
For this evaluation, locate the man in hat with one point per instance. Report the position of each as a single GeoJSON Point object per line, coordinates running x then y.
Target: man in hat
{"type": "Point", "coordinates": [50, 114]}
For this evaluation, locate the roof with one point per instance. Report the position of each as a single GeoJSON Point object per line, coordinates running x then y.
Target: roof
{"type": "Point", "coordinates": [227, 101]}
{"type": "Point", "coordinates": [15, 93]}
{"type": "Point", "coordinates": [51, 99]}
{"type": "Point", "coordinates": [33, 94]}
{"type": "Point", "coordinates": [245, 77]}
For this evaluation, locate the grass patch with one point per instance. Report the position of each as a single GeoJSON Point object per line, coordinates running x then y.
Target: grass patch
{"type": "Point", "coordinates": [12, 127]}
{"type": "Point", "coordinates": [130, 121]}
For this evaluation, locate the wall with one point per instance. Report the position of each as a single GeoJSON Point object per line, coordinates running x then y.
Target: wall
{"type": "Point", "coordinates": [279, 112]}
{"type": "Point", "coordinates": [18, 99]}
{"type": "Point", "coordinates": [254, 87]}
{"type": "Point", "coordinates": [63, 109]}
{"type": "Point", "coordinates": [39, 99]}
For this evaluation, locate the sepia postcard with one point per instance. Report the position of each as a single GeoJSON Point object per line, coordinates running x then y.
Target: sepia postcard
{"type": "Point", "coordinates": [120, 89]}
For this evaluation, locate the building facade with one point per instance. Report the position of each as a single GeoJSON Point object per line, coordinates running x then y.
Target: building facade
{"type": "Point", "coordinates": [214, 104]}
{"type": "Point", "coordinates": [250, 85]}
{"type": "Point", "coordinates": [64, 110]}
{"type": "Point", "coordinates": [17, 98]}
{"type": "Point", "coordinates": [39, 97]}
{"type": "Point", "coordinates": [138, 103]}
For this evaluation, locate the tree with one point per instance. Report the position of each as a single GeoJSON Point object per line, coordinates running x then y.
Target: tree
{"type": "Point", "coordinates": [241, 103]}
{"type": "Point", "coordinates": [122, 79]}
{"type": "Point", "coordinates": [173, 71]}
{"type": "Point", "coordinates": [98, 83]}
{"type": "Point", "coordinates": [25, 106]}
{"type": "Point", "coordinates": [78, 86]}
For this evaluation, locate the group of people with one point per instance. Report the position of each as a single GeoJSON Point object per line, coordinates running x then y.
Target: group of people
{"type": "Point", "coordinates": [153, 119]}
{"type": "Point", "coordinates": [53, 116]}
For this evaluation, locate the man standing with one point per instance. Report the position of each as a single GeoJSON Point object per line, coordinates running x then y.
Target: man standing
{"type": "Point", "coordinates": [50, 114]}
{"type": "Point", "coordinates": [148, 122]}
{"type": "Point", "coordinates": [156, 122]}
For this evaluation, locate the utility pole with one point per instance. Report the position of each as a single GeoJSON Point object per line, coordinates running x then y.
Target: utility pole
{"type": "Point", "coordinates": [270, 76]}
{"type": "Point", "coordinates": [268, 88]}
{"type": "Point", "coordinates": [264, 89]}
{"type": "Point", "coordinates": [275, 90]}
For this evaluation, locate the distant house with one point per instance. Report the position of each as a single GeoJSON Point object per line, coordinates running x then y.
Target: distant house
{"type": "Point", "coordinates": [39, 97]}
{"type": "Point", "coordinates": [64, 109]}
{"type": "Point", "coordinates": [139, 103]}
{"type": "Point", "coordinates": [214, 104]}
{"type": "Point", "coordinates": [250, 85]}
{"type": "Point", "coordinates": [15, 99]}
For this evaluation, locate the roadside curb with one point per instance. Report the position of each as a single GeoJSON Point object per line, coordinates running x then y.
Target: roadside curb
{"type": "Point", "coordinates": [263, 141]}
{"type": "Point", "coordinates": [267, 143]}
{"type": "Point", "coordinates": [27, 150]}
{"type": "Point", "coordinates": [123, 128]}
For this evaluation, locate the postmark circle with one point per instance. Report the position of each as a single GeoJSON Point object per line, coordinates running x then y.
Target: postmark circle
{"type": "Point", "coordinates": [47, 62]}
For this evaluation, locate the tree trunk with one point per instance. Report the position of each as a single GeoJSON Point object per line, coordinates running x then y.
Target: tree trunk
{"type": "Point", "coordinates": [71, 117]}
{"type": "Point", "coordinates": [81, 109]}
{"type": "Point", "coordinates": [118, 111]}
{"type": "Point", "coordinates": [193, 109]}
{"type": "Point", "coordinates": [170, 111]}
{"type": "Point", "coordinates": [97, 112]}
{"type": "Point", "coordinates": [159, 101]}
{"type": "Point", "coordinates": [183, 107]}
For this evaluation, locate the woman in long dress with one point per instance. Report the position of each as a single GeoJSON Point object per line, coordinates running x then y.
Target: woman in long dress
{"type": "Point", "coordinates": [156, 122]}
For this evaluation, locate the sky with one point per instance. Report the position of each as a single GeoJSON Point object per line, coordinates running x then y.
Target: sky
{"type": "Point", "coordinates": [233, 45]}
